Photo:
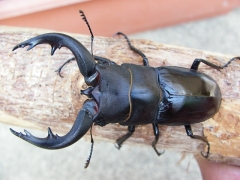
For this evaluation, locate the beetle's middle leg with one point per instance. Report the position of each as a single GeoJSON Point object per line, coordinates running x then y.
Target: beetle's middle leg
{"type": "Point", "coordinates": [156, 134]}
{"type": "Point", "coordinates": [190, 133]}
{"type": "Point", "coordinates": [140, 53]}
{"type": "Point", "coordinates": [121, 140]}
{"type": "Point", "coordinates": [99, 59]}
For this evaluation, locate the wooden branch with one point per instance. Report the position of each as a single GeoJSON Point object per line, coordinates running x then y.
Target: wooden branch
{"type": "Point", "coordinates": [34, 96]}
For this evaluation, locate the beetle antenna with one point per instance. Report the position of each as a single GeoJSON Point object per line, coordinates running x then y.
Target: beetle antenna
{"type": "Point", "coordinates": [86, 21]}
{"type": "Point", "coordinates": [90, 155]}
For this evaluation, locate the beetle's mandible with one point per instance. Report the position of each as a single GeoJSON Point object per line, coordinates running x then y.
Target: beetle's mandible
{"type": "Point", "coordinates": [136, 94]}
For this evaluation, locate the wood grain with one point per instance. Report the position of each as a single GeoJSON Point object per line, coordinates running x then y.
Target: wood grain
{"type": "Point", "coordinates": [32, 95]}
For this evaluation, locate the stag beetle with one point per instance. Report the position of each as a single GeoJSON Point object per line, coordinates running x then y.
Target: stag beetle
{"type": "Point", "coordinates": [131, 94]}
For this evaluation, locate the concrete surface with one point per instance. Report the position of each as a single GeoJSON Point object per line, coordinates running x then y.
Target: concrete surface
{"type": "Point", "coordinates": [20, 160]}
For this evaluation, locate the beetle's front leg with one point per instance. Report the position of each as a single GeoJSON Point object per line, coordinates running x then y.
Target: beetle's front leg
{"type": "Point", "coordinates": [121, 140]}
{"type": "Point", "coordinates": [60, 68]}
{"type": "Point", "coordinates": [190, 133]}
{"type": "Point", "coordinates": [99, 59]}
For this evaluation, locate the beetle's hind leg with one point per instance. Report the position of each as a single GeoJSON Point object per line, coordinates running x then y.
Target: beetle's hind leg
{"type": "Point", "coordinates": [156, 134]}
{"type": "Point", "coordinates": [196, 63]}
{"type": "Point", "coordinates": [121, 140]}
{"type": "Point", "coordinates": [190, 133]}
{"type": "Point", "coordinates": [140, 53]}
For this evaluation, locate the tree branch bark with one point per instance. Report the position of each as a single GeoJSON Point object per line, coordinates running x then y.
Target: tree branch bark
{"type": "Point", "coordinates": [34, 96]}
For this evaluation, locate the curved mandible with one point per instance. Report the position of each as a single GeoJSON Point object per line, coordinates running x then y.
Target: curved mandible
{"type": "Point", "coordinates": [81, 126]}
{"type": "Point", "coordinates": [85, 61]}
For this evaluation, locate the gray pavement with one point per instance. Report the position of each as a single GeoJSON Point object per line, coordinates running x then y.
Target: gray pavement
{"type": "Point", "coordinates": [20, 160]}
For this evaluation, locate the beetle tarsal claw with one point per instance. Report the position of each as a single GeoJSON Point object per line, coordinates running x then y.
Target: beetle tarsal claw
{"type": "Point", "coordinates": [208, 150]}
{"type": "Point", "coordinates": [205, 156]}
{"type": "Point", "coordinates": [159, 153]}
{"type": "Point", "coordinates": [117, 146]}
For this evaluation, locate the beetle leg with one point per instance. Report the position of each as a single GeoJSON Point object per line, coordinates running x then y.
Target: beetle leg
{"type": "Point", "coordinates": [196, 63]}
{"type": "Point", "coordinates": [145, 60]}
{"type": "Point", "coordinates": [60, 68]}
{"type": "Point", "coordinates": [101, 60]}
{"type": "Point", "coordinates": [156, 134]}
{"type": "Point", "coordinates": [121, 140]}
{"type": "Point", "coordinates": [204, 139]}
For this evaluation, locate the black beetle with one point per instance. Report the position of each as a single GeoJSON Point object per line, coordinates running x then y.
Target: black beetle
{"type": "Point", "coordinates": [131, 94]}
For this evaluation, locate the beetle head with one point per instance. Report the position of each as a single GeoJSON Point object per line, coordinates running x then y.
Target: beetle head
{"type": "Point", "coordinates": [86, 65]}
